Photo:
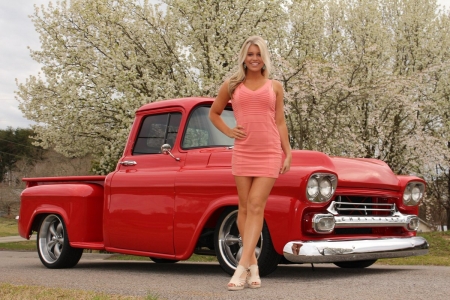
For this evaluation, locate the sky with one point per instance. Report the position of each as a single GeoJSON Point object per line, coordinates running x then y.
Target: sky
{"type": "Point", "coordinates": [17, 33]}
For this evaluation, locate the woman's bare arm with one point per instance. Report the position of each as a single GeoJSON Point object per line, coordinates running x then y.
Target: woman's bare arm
{"type": "Point", "coordinates": [216, 110]}
{"type": "Point", "coordinates": [281, 124]}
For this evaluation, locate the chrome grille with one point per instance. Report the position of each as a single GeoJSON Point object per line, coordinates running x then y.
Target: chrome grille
{"type": "Point", "coordinates": [363, 206]}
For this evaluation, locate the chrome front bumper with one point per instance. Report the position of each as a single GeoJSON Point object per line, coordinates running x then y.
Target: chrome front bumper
{"type": "Point", "coordinates": [353, 250]}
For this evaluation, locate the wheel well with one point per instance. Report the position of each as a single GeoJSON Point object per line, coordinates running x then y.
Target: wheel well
{"type": "Point", "coordinates": [37, 221]}
{"type": "Point", "coordinates": [206, 236]}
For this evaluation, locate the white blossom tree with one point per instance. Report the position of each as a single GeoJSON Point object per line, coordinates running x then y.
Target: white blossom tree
{"type": "Point", "coordinates": [363, 78]}
{"type": "Point", "coordinates": [102, 59]}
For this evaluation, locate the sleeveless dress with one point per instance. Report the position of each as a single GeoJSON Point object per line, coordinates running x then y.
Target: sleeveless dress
{"type": "Point", "coordinates": [259, 154]}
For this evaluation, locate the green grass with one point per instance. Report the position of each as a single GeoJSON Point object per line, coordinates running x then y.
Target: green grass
{"type": "Point", "coordinates": [19, 246]}
{"type": "Point", "coordinates": [8, 227]}
{"type": "Point", "coordinates": [9, 291]}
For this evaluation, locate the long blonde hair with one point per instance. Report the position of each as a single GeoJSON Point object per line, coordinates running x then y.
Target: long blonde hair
{"type": "Point", "coordinates": [238, 77]}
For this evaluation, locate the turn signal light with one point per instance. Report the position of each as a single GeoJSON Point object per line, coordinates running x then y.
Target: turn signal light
{"type": "Point", "coordinates": [323, 223]}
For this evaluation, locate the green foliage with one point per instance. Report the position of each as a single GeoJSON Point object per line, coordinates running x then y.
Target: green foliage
{"type": "Point", "coordinates": [15, 145]}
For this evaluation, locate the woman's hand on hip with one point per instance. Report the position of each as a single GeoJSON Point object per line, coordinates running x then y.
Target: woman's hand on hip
{"type": "Point", "coordinates": [237, 132]}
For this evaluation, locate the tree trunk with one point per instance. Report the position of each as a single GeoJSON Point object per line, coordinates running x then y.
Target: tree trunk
{"type": "Point", "coordinates": [447, 206]}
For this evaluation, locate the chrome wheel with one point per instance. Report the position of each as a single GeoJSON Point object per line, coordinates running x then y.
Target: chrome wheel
{"type": "Point", "coordinates": [51, 238]}
{"type": "Point", "coordinates": [53, 245]}
{"type": "Point", "coordinates": [229, 243]}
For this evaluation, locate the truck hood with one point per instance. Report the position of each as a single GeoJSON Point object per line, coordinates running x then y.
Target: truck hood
{"type": "Point", "coordinates": [364, 173]}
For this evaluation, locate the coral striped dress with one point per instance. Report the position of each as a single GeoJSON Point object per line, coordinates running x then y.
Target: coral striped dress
{"type": "Point", "coordinates": [259, 154]}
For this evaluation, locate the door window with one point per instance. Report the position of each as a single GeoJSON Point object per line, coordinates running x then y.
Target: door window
{"type": "Point", "coordinates": [155, 131]}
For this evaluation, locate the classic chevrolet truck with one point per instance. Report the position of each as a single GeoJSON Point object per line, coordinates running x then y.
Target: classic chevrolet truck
{"type": "Point", "coordinates": [172, 194]}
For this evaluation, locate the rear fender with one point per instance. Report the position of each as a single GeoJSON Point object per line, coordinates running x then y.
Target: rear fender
{"type": "Point", "coordinates": [80, 205]}
{"type": "Point", "coordinates": [37, 217]}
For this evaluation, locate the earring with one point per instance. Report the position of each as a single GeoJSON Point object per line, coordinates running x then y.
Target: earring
{"type": "Point", "coordinates": [245, 66]}
{"type": "Point", "coordinates": [264, 67]}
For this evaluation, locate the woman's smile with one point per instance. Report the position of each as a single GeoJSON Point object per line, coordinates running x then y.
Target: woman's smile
{"type": "Point", "coordinates": [253, 59]}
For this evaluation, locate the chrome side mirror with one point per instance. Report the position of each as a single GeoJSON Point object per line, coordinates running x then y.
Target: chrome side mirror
{"type": "Point", "coordinates": [165, 149]}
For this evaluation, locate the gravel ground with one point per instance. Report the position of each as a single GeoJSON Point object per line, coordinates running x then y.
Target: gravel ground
{"type": "Point", "coordinates": [186, 280]}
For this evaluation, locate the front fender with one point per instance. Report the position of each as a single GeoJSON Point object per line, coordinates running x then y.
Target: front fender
{"type": "Point", "coordinates": [186, 239]}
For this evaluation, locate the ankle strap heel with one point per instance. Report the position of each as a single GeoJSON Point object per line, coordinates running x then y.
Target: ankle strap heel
{"type": "Point", "coordinates": [237, 282]}
{"type": "Point", "coordinates": [253, 279]}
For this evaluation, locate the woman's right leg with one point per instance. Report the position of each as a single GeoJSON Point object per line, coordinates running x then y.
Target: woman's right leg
{"type": "Point", "coordinates": [256, 202]}
{"type": "Point", "coordinates": [243, 185]}
{"type": "Point", "coordinates": [253, 194]}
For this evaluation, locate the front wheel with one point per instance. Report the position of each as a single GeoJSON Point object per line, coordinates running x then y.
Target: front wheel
{"type": "Point", "coordinates": [53, 245]}
{"type": "Point", "coordinates": [228, 245]}
{"type": "Point", "coordinates": [359, 264]}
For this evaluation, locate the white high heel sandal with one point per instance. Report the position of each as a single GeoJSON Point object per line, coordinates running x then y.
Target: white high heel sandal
{"type": "Point", "coordinates": [237, 282]}
{"type": "Point", "coordinates": [253, 279]}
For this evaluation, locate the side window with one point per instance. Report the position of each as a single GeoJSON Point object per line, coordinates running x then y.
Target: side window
{"type": "Point", "coordinates": [200, 132]}
{"type": "Point", "coordinates": [155, 131]}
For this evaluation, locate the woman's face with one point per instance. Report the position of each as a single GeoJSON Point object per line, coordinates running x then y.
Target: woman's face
{"type": "Point", "coordinates": [253, 59]}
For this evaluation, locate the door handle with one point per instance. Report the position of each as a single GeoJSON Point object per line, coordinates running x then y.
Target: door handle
{"type": "Point", "coordinates": [128, 163]}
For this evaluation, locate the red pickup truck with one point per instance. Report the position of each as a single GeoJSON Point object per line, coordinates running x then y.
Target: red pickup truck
{"type": "Point", "coordinates": [172, 194]}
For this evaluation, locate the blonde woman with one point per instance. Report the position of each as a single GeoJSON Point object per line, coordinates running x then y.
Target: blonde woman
{"type": "Point", "coordinates": [261, 137]}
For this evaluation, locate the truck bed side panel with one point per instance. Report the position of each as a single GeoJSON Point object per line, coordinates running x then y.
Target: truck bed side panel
{"type": "Point", "coordinates": [79, 204]}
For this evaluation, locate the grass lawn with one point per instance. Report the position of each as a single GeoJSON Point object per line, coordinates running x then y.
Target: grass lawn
{"type": "Point", "coordinates": [8, 227]}
{"type": "Point", "coordinates": [9, 291]}
{"type": "Point", "coordinates": [19, 246]}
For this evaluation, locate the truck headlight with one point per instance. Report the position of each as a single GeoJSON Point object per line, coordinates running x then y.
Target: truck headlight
{"type": "Point", "coordinates": [325, 187]}
{"type": "Point", "coordinates": [313, 187]}
{"type": "Point", "coordinates": [413, 193]}
{"type": "Point", "coordinates": [321, 187]}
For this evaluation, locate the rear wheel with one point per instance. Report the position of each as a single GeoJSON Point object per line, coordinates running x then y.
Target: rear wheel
{"type": "Point", "coordinates": [53, 245]}
{"type": "Point", "coordinates": [228, 245]}
{"type": "Point", "coordinates": [359, 264]}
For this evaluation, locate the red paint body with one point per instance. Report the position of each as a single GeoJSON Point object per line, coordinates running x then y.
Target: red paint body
{"type": "Point", "coordinates": [160, 206]}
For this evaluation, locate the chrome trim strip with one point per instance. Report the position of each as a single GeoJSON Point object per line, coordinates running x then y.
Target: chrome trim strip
{"type": "Point", "coordinates": [128, 163]}
{"type": "Point", "coordinates": [397, 220]}
{"type": "Point", "coordinates": [353, 250]}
